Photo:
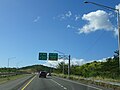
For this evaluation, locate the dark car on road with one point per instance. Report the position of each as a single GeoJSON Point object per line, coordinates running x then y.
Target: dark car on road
{"type": "Point", "coordinates": [42, 74]}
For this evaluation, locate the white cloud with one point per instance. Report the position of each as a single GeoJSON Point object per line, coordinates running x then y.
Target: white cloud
{"type": "Point", "coordinates": [74, 61]}
{"type": "Point", "coordinates": [111, 14]}
{"type": "Point", "coordinates": [51, 63]}
{"type": "Point", "coordinates": [72, 27]}
{"type": "Point", "coordinates": [98, 20]}
{"type": "Point", "coordinates": [77, 17]}
{"type": "Point", "coordinates": [36, 19]}
{"type": "Point", "coordinates": [117, 6]}
{"type": "Point", "coordinates": [115, 31]}
{"type": "Point", "coordinates": [68, 26]}
{"type": "Point", "coordinates": [102, 60]}
{"type": "Point", "coordinates": [64, 16]}
{"type": "Point", "coordinates": [68, 14]}
{"type": "Point", "coordinates": [61, 17]}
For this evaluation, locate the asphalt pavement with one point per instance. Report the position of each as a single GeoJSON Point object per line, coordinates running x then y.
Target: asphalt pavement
{"type": "Point", "coordinates": [14, 84]}
{"type": "Point", "coordinates": [49, 83]}
{"type": "Point", "coordinates": [55, 83]}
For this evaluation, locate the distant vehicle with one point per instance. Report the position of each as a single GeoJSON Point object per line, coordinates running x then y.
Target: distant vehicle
{"type": "Point", "coordinates": [48, 74]}
{"type": "Point", "coordinates": [42, 74]}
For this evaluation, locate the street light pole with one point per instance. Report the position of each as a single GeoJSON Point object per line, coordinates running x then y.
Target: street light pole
{"type": "Point", "coordinates": [8, 65]}
{"type": "Point", "coordinates": [118, 22]}
{"type": "Point", "coordinates": [9, 60]}
{"type": "Point", "coordinates": [68, 57]}
{"type": "Point", "coordinates": [119, 34]}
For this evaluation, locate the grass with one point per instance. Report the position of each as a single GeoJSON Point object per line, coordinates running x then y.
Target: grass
{"type": "Point", "coordinates": [92, 80]}
{"type": "Point", "coordinates": [108, 79]}
{"type": "Point", "coordinates": [6, 79]}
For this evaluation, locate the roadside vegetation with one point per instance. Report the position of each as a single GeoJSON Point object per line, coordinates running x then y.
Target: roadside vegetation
{"type": "Point", "coordinates": [7, 74]}
{"type": "Point", "coordinates": [96, 72]}
{"type": "Point", "coordinates": [8, 78]}
{"type": "Point", "coordinates": [105, 73]}
{"type": "Point", "coordinates": [107, 70]}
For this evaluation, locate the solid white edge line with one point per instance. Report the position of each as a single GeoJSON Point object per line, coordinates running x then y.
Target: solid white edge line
{"type": "Point", "coordinates": [78, 83]}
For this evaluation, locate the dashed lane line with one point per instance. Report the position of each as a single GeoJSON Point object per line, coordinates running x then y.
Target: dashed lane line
{"type": "Point", "coordinates": [59, 84]}
{"type": "Point", "coordinates": [79, 83]}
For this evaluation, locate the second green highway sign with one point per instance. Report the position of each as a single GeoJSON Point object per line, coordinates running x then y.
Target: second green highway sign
{"type": "Point", "coordinates": [53, 56]}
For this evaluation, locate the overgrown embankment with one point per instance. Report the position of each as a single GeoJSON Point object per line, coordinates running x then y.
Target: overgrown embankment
{"type": "Point", "coordinates": [107, 83]}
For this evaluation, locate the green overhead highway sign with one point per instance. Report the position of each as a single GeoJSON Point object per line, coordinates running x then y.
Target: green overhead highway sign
{"type": "Point", "coordinates": [53, 56]}
{"type": "Point", "coordinates": [42, 56]}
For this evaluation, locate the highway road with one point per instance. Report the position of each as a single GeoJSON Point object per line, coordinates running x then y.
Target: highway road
{"type": "Point", "coordinates": [14, 84]}
{"type": "Point", "coordinates": [31, 82]}
{"type": "Point", "coordinates": [55, 83]}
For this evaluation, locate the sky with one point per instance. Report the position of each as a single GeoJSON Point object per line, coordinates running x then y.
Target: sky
{"type": "Point", "coordinates": [85, 31]}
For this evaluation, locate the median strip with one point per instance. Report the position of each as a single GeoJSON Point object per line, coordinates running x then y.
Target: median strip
{"type": "Point", "coordinates": [28, 83]}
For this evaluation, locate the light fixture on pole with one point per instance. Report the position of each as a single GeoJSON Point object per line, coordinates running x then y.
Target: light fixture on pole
{"type": "Point", "coordinates": [118, 22]}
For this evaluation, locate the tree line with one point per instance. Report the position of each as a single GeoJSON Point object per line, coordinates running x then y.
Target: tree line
{"type": "Point", "coordinates": [105, 69]}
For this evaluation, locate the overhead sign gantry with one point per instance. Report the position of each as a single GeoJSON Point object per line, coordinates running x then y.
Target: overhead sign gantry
{"type": "Point", "coordinates": [52, 56]}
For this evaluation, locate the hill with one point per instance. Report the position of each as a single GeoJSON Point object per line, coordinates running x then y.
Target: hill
{"type": "Point", "coordinates": [35, 68]}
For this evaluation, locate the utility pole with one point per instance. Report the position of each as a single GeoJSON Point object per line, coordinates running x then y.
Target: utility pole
{"type": "Point", "coordinates": [63, 56]}
{"type": "Point", "coordinates": [69, 67]}
{"type": "Point", "coordinates": [8, 65]}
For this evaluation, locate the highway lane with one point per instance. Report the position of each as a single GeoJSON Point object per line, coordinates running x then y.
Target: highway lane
{"type": "Point", "coordinates": [73, 85]}
{"type": "Point", "coordinates": [55, 83]}
{"type": "Point", "coordinates": [41, 84]}
{"type": "Point", "coordinates": [14, 84]}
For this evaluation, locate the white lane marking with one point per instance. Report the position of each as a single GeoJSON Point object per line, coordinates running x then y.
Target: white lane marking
{"type": "Point", "coordinates": [80, 83]}
{"type": "Point", "coordinates": [58, 84]}
{"type": "Point", "coordinates": [65, 88]}
{"type": "Point", "coordinates": [61, 86]}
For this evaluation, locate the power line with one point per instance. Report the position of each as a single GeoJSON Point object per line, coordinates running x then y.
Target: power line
{"type": "Point", "coordinates": [94, 43]}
